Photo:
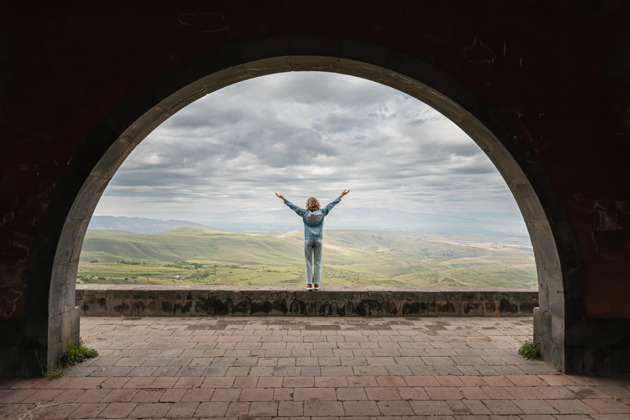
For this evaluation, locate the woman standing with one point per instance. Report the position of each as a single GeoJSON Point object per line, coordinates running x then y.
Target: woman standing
{"type": "Point", "coordinates": [313, 218]}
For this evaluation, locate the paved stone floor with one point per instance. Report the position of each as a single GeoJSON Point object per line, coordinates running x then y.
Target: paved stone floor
{"type": "Point", "coordinates": [287, 367]}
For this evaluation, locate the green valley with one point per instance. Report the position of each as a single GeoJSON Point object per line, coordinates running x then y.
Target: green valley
{"type": "Point", "coordinates": [351, 258]}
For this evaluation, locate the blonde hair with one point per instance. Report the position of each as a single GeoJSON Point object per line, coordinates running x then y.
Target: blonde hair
{"type": "Point", "coordinates": [312, 204]}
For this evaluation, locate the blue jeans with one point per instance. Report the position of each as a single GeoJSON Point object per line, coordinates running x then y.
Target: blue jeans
{"type": "Point", "coordinates": [313, 255]}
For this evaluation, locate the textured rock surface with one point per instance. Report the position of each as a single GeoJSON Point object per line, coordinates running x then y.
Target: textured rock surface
{"type": "Point", "coordinates": [143, 300]}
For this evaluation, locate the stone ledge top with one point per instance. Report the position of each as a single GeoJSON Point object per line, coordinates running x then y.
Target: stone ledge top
{"type": "Point", "coordinates": [235, 288]}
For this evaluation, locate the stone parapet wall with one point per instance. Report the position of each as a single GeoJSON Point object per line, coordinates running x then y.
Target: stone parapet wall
{"type": "Point", "coordinates": [150, 300]}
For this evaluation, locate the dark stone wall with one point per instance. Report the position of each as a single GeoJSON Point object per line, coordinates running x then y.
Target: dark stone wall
{"type": "Point", "coordinates": [66, 69]}
{"type": "Point", "coordinates": [144, 300]}
{"type": "Point", "coordinates": [551, 80]}
{"type": "Point", "coordinates": [598, 345]}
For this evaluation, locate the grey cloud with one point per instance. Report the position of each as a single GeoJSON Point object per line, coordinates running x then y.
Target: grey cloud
{"type": "Point", "coordinates": [303, 134]}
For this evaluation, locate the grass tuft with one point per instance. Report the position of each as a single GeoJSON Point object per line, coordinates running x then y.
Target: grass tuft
{"type": "Point", "coordinates": [529, 350]}
{"type": "Point", "coordinates": [54, 374]}
{"type": "Point", "coordinates": [76, 352]}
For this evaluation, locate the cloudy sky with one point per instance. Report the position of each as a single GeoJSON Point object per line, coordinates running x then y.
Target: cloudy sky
{"type": "Point", "coordinates": [220, 160]}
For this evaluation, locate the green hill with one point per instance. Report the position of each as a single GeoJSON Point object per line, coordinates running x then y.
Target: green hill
{"type": "Point", "coordinates": [203, 256]}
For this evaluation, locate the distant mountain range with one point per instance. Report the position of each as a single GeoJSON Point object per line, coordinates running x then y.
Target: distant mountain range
{"type": "Point", "coordinates": [138, 224]}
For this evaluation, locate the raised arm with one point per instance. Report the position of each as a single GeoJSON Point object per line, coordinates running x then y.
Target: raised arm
{"type": "Point", "coordinates": [333, 203]}
{"type": "Point", "coordinates": [299, 210]}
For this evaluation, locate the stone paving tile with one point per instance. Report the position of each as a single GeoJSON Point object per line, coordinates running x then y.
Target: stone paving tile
{"type": "Point", "coordinates": [263, 408]}
{"type": "Point", "coordinates": [87, 411]}
{"type": "Point", "coordinates": [182, 410]}
{"type": "Point", "coordinates": [150, 410]}
{"type": "Point", "coordinates": [43, 396]}
{"type": "Point", "coordinates": [382, 393]}
{"type": "Point", "coordinates": [331, 382]}
{"type": "Point", "coordinates": [256, 394]}
{"type": "Point", "coordinates": [319, 394]}
{"type": "Point", "coordinates": [173, 395]}
{"type": "Point", "coordinates": [431, 408]}
{"type": "Point", "coordinates": [196, 395]}
{"type": "Point", "coordinates": [443, 393]}
{"type": "Point", "coordinates": [571, 407]}
{"type": "Point", "coordinates": [143, 371]}
{"type": "Point", "coordinates": [502, 407]}
{"type": "Point", "coordinates": [323, 408]}
{"type": "Point", "coordinates": [141, 382]}
{"type": "Point", "coordinates": [120, 395]}
{"type": "Point", "coordinates": [283, 394]}
{"type": "Point", "coordinates": [535, 407]}
{"type": "Point", "coordinates": [117, 410]}
{"type": "Point", "coordinates": [423, 370]}
{"type": "Point", "coordinates": [211, 409]}
{"type": "Point", "coordinates": [337, 370]}
{"type": "Point", "coordinates": [60, 411]}
{"type": "Point", "coordinates": [526, 393]}
{"type": "Point", "coordinates": [478, 408]}
{"type": "Point", "coordinates": [14, 396]}
{"type": "Point", "coordinates": [351, 394]}
{"type": "Point", "coordinates": [315, 368]}
{"type": "Point", "coordinates": [93, 395]}
{"type": "Point", "coordinates": [221, 382]}
{"type": "Point", "coordinates": [147, 395]}
{"type": "Point", "coordinates": [16, 411]}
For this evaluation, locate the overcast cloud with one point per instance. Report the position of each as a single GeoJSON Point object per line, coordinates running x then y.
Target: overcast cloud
{"type": "Point", "coordinates": [220, 160]}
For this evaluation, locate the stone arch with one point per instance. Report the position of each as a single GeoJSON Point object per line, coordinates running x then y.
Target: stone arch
{"type": "Point", "coordinates": [60, 240]}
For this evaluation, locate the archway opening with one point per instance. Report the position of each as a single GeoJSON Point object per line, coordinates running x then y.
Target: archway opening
{"type": "Point", "coordinates": [427, 207]}
{"type": "Point", "coordinates": [456, 106]}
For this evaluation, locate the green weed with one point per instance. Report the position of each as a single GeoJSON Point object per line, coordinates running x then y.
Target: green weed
{"type": "Point", "coordinates": [529, 350]}
{"type": "Point", "coordinates": [76, 352]}
{"type": "Point", "coordinates": [54, 374]}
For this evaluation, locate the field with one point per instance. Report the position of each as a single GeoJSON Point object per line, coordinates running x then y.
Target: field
{"type": "Point", "coordinates": [351, 258]}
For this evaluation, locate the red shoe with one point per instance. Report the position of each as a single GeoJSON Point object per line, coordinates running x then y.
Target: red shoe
{"type": "Point", "coordinates": [309, 287]}
{"type": "Point", "coordinates": [316, 287]}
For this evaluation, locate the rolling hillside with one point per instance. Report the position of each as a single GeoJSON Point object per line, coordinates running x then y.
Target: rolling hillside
{"type": "Point", "coordinates": [202, 256]}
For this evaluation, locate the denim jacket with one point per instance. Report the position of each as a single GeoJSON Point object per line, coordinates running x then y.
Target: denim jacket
{"type": "Point", "coordinates": [313, 220]}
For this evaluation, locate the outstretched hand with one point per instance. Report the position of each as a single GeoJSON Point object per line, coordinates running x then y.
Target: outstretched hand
{"type": "Point", "coordinates": [281, 197]}
{"type": "Point", "coordinates": [344, 192]}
